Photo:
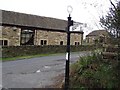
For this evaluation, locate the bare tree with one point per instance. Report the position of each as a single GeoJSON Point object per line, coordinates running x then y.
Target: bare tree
{"type": "Point", "coordinates": [112, 20]}
{"type": "Point", "coordinates": [112, 23]}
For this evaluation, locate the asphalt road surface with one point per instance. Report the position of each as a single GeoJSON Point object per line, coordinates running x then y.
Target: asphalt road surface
{"type": "Point", "coordinates": [35, 72]}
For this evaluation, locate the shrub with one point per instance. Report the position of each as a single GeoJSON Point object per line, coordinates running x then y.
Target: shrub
{"type": "Point", "coordinates": [92, 72]}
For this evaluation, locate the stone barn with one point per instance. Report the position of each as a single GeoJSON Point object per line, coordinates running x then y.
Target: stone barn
{"type": "Point", "coordinates": [26, 29]}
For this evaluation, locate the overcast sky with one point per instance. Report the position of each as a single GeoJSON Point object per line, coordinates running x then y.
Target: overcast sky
{"type": "Point", "coordinates": [85, 11]}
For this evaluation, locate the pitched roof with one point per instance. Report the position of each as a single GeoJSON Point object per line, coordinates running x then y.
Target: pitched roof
{"type": "Point", "coordinates": [21, 19]}
{"type": "Point", "coordinates": [98, 33]}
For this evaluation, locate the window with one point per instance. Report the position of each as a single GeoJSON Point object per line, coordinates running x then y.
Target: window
{"type": "Point", "coordinates": [4, 42]}
{"type": "Point", "coordinates": [27, 37]}
{"type": "Point", "coordinates": [61, 42]}
{"type": "Point", "coordinates": [43, 42]}
{"type": "Point", "coordinates": [77, 43]}
{"type": "Point", "coordinates": [1, 42]}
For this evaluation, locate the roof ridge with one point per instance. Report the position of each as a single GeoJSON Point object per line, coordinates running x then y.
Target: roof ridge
{"type": "Point", "coordinates": [32, 14]}
{"type": "Point", "coordinates": [23, 19]}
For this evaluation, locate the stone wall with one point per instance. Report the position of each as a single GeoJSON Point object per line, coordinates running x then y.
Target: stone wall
{"type": "Point", "coordinates": [12, 34]}
{"type": "Point", "coordinates": [91, 39]}
{"type": "Point", "coordinates": [54, 38]}
{"type": "Point", "coordinates": [16, 51]}
{"type": "Point", "coordinates": [76, 37]}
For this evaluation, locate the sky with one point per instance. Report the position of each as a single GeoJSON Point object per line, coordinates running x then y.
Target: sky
{"type": "Point", "coordinates": [84, 11]}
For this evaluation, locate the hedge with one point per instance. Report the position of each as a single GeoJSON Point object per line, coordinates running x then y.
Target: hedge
{"type": "Point", "coordinates": [14, 51]}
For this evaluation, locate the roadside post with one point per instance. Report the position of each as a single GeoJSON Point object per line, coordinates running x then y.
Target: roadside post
{"type": "Point", "coordinates": [70, 23]}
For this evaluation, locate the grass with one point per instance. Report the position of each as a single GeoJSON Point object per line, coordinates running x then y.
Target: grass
{"type": "Point", "coordinates": [93, 72]}
{"type": "Point", "coordinates": [26, 57]}
{"type": "Point", "coordinates": [30, 56]}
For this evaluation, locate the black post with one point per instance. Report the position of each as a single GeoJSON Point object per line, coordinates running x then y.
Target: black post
{"type": "Point", "coordinates": [70, 22]}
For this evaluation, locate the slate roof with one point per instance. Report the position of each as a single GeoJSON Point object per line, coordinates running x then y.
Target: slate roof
{"type": "Point", "coordinates": [21, 19]}
{"type": "Point", "coordinates": [98, 33]}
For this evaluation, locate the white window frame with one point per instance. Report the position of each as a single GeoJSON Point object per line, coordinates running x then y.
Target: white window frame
{"type": "Point", "coordinates": [3, 42]}
{"type": "Point", "coordinates": [77, 42]}
{"type": "Point", "coordinates": [43, 42]}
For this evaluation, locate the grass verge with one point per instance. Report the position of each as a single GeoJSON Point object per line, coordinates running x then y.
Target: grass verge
{"type": "Point", "coordinates": [31, 56]}
{"type": "Point", "coordinates": [26, 57]}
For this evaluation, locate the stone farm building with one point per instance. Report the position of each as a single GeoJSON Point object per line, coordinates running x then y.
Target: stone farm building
{"type": "Point", "coordinates": [98, 36]}
{"type": "Point", "coordinates": [26, 29]}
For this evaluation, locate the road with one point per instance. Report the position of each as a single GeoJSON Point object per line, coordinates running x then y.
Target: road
{"type": "Point", "coordinates": [35, 72]}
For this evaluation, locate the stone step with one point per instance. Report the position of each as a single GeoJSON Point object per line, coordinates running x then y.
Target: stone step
{"type": "Point", "coordinates": [109, 55]}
